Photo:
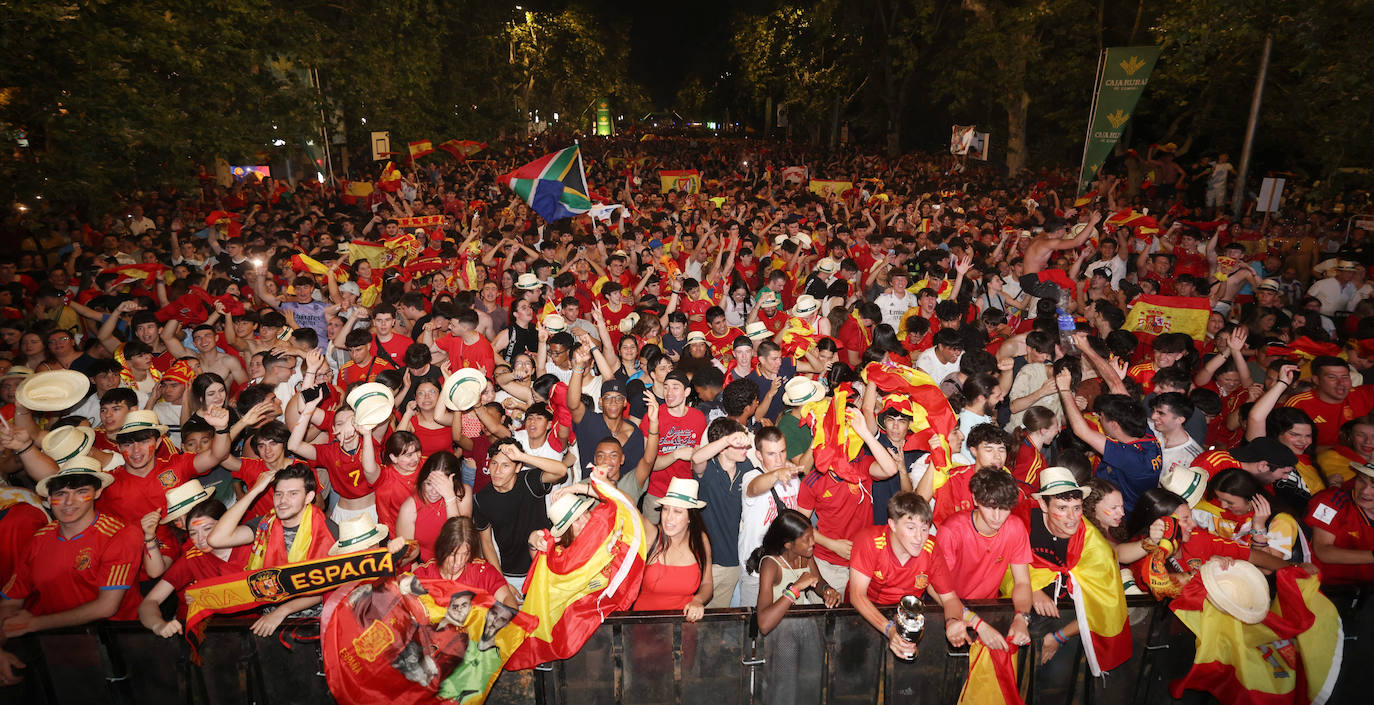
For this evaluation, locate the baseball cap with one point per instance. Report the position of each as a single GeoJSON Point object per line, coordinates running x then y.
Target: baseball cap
{"type": "Point", "coordinates": [1266, 449]}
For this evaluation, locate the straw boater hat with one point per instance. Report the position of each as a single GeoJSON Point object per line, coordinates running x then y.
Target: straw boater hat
{"type": "Point", "coordinates": [803, 241]}
{"type": "Point", "coordinates": [83, 465]}
{"type": "Point", "coordinates": [358, 533]}
{"type": "Point", "coordinates": [628, 323]}
{"type": "Point", "coordinates": [1238, 590]}
{"type": "Point", "coordinates": [183, 498]}
{"type": "Point", "coordinates": [63, 444]}
{"type": "Point", "coordinates": [696, 336]}
{"type": "Point", "coordinates": [806, 305]}
{"type": "Point", "coordinates": [566, 509]}
{"type": "Point", "coordinates": [372, 403]}
{"type": "Point", "coordinates": [827, 265]}
{"type": "Point", "coordinates": [769, 300]}
{"type": "Point", "coordinates": [141, 420]}
{"type": "Point", "coordinates": [682, 492]}
{"type": "Point", "coordinates": [463, 389]}
{"type": "Point", "coordinates": [52, 391]}
{"type": "Point", "coordinates": [555, 323]}
{"type": "Point", "coordinates": [1188, 483]}
{"type": "Point", "coordinates": [1058, 480]}
{"type": "Point", "coordinates": [527, 281]}
{"type": "Point", "coordinates": [758, 331]}
{"type": "Point", "coordinates": [1270, 285]}
{"type": "Point", "coordinates": [800, 390]}
{"type": "Point", "coordinates": [17, 371]}
{"type": "Point", "coordinates": [1365, 469]}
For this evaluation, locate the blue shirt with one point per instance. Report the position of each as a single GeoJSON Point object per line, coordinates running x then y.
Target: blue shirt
{"type": "Point", "coordinates": [724, 506]}
{"type": "Point", "coordinates": [309, 315]}
{"type": "Point", "coordinates": [786, 371]}
{"type": "Point", "coordinates": [1132, 467]}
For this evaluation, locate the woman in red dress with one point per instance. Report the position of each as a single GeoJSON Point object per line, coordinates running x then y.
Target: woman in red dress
{"type": "Point", "coordinates": [429, 420]}
{"type": "Point", "coordinates": [677, 573]}
{"type": "Point", "coordinates": [439, 496]}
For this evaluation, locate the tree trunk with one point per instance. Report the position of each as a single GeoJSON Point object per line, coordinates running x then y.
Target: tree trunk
{"type": "Point", "coordinates": [1018, 107]}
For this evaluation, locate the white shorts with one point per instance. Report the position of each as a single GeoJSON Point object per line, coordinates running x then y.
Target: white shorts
{"type": "Point", "coordinates": [339, 515]}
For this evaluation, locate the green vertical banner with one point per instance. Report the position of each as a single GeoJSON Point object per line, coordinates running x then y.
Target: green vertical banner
{"type": "Point", "coordinates": [603, 117]}
{"type": "Point", "coordinates": [1125, 73]}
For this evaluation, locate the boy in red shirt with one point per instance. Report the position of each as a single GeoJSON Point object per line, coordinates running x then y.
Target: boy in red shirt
{"type": "Point", "coordinates": [1342, 522]}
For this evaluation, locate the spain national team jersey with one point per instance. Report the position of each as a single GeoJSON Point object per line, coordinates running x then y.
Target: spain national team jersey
{"type": "Point", "coordinates": [1327, 416]}
{"type": "Point", "coordinates": [842, 509]}
{"type": "Point", "coordinates": [57, 574]}
{"type": "Point", "coordinates": [131, 496]}
{"type": "Point", "coordinates": [975, 561]}
{"type": "Point", "coordinates": [1335, 512]}
{"type": "Point", "coordinates": [889, 580]}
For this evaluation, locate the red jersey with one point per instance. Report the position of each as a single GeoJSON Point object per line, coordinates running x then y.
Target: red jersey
{"type": "Point", "coordinates": [57, 574]}
{"type": "Point", "coordinates": [675, 432]}
{"type": "Point", "coordinates": [131, 496]}
{"type": "Point", "coordinates": [392, 488]}
{"type": "Point", "coordinates": [352, 373]}
{"type": "Point", "coordinates": [395, 348]}
{"type": "Point", "coordinates": [18, 522]}
{"type": "Point", "coordinates": [1335, 511]}
{"type": "Point", "coordinates": [842, 509]}
{"type": "Point", "coordinates": [345, 470]}
{"type": "Point", "coordinates": [775, 322]}
{"type": "Point", "coordinates": [853, 336]}
{"type": "Point", "coordinates": [1214, 461]}
{"type": "Point", "coordinates": [976, 562]}
{"type": "Point", "coordinates": [1144, 373]}
{"type": "Point", "coordinates": [890, 580]}
{"type": "Point", "coordinates": [478, 355]}
{"type": "Point", "coordinates": [195, 565]}
{"type": "Point", "coordinates": [1029, 462]}
{"type": "Point", "coordinates": [1202, 545]}
{"type": "Point", "coordinates": [953, 496]}
{"type": "Point", "coordinates": [478, 573]}
{"type": "Point", "coordinates": [614, 317]}
{"type": "Point", "coordinates": [721, 345]}
{"type": "Point", "coordinates": [1327, 416]}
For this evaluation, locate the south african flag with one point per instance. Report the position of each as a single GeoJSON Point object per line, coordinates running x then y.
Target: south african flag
{"type": "Point", "coordinates": [554, 185]}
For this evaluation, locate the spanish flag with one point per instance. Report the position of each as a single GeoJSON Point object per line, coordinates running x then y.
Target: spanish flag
{"type": "Point", "coordinates": [991, 677]}
{"type": "Point", "coordinates": [932, 417]}
{"type": "Point", "coordinates": [462, 149]}
{"type": "Point", "coordinates": [306, 263]}
{"type": "Point", "coordinates": [1093, 578]}
{"type": "Point", "coordinates": [420, 148]}
{"type": "Point", "coordinates": [391, 178]}
{"type": "Point", "coordinates": [1293, 656]}
{"type": "Point", "coordinates": [374, 252]}
{"type": "Point", "coordinates": [571, 590]}
{"type": "Point", "coordinates": [1144, 226]}
{"type": "Point", "coordinates": [354, 190]}
{"type": "Point", "coordinates": [798, 337]}
{"type": "Point", "coordinates": [683, 181]}
{"type": "Point", "coordinates": [146, 273]}
{"type": "Point", "coordinates": [834, 442]}
{"type": "Point", "coordinates": [370, 295]}
{"type": "Point", "coordinates": [828, 187]}
{"type": "Point", "coordinates": [1156, 315]}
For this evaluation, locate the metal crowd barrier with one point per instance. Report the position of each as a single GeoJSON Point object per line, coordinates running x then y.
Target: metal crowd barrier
{"type": "Point", "coordinates": [829, 656]}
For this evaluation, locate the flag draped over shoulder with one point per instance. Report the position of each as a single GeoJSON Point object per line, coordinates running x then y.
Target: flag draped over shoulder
{"type": "Point", "coordinates": [682, 181]}
{"type": "Point", "coordinates": [1156, 315]}
{"type": "Point", "coordinates": [932, 417]}
{"type": "Point", "coordinates": [1094, 581]}
{"type": "Point", "coordinates": [554, 185]}
{"type": "Point", "coordinates": [411, 641]}
{"type": "Point", "coordinates": [834, 442]}
{"type": "Point", "coordinates": [571, 590]}
{"type": "Point", "coordinates": [1293, 656]}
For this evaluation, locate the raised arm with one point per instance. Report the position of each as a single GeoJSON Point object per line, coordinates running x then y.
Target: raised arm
{"type": "Point", "coordinates": [1085, 432]}
{"type": "Point", "coordinates": [1259, 411]}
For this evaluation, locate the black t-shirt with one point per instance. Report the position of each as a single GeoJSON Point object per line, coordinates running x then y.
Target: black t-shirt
{"type": "Point", "coordinates": [592, 429]}
{"type": "Point", "coordinates": [513, 516]}
{"type": "Point", "coordinates": [235, 269]}
{"type": "Point", "coordinates": [520, 340]}
{"type": "Point", "coordinates": [1046, 545]}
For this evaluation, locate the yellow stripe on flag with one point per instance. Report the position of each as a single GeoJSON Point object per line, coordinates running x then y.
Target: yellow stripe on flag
{"type": "Point", "coordinates": [825, 187]}
{"type": "Point", "coordinates": [1157, 315]}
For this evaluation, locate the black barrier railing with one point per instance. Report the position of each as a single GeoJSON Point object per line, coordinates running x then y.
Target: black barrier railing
{"type": "Point", "coordinates": [815, 655]}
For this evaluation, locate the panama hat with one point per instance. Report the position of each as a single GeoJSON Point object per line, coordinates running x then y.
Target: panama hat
{"type": "Point", "coordinates": [1128, 583]}
{"type": "Point", "coordinates": [827, 265]}
{"type": "Point", "coordinates": [768, 300]}
{"type": "Point", "coordinates": [803, 240]}
{"type": "Point", "coordinates": [566, 509]}
{"type": "Point", "coordinates": [758, 330]}
{"type": "Point", "coordinates": [527, 281]}
{"type": "Point", "coordinates": [1238, 590]}
{"type": "Point", "coordinates": [183, 498]}
{"type": "Point", "coordinates": [806, 305]}
{"type": "Point", "coordinates": [463, 389]}
{"type": "Point", "coordinates": [17, 371]}
{"type": "Point", "coordinates": [141, 420]}
{"type": "Point", "coordinates": [696, 336]}
{"type": "Point", "coordinates": [1188, 483]}
{"type": "Point", "coordinates": [372, 403]}
{"type": "Point", "coordinates": [1346, 265]}
{"type": "Point", "coordinates": [1270, 285]}
{"type": "Point", "coordinates": [629, 322]}
{"type": "Point", "coordinates": [63, 444]}
{"type": "Point", "coordinates": [555, 323]}
{"type": "Point", "coordinates": [800, 390]}
{"type": "Point", "coordinates": [83, 465]}
{"type": "Point", "coordinates": [358, 533]}
{"type": "Point", "coordinates": [682, 492]}
{"type": "Point", "coordinates": [52, 391]}
{"type": "Point", "coordinates": [777, 241]}
{"type": "Point", "coordinates": [1058, 480]}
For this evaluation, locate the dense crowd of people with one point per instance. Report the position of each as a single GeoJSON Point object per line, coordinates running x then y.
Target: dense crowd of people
{"type": "Point", "coordinates": [258, 374]}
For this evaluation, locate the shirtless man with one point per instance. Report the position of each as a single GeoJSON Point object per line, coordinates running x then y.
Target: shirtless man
{"type": "Point", "coordinates": [1042, 248]}
{"type": "Point", "coordinates": [211, 359]}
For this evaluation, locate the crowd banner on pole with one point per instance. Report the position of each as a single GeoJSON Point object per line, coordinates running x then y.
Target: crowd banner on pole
{"type": "Point", "coordinates": [1125, 74]}
{"type": "Point", "coordinates": [967, 141]}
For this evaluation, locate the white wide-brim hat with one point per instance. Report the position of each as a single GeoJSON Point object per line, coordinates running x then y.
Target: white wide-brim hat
{"type": "Point", "coordinates": [183, 498]}
{"type": "Point", "coordinates": [566, 509]}
{"type": "Point", "coordinates": [806, 305]}
{"type": "Point", "coordinates": [463, 389]}
{"type": "Point", "coordinates": [372, 403]}
{"type": "Point", "coordinates": [682, 492]}
{"type": "Point", "coordinates": [1238, 589]}
{"type": "Point", "coordinates": [80, 465]}
{"type": "Point", "coordinates": [357, 533]}
{"type": "Point", "coordinates": [63, 444]}
{"type": "Point", "coordinates": [141, 420]}
{"type": "Point", "coordinates": [1188, 483]}
{"type": "Point", "coordinates": [52, 391]}
{"type": "Point", "coordinates": [800, 390]}
{"type": "Point", "coordinates": [1058, 480]}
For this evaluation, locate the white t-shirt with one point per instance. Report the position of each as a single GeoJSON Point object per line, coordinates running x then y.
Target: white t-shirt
{"type": "Point", "coordinates": [759, 512]}
{"type": "Point", "coordinates": [894, 307]}
{"type": "Point", "coordinates": [1179, 456]}
{"type": "Point", "coordinates": [931, 365]}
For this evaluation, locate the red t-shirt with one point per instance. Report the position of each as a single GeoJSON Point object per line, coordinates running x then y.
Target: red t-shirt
{"type": "Point", "coordinates": [890, 581]}
{"type": "Point", "coordinates": [613, 318]}
{"type": "Point", "coordinates": [131, 497]}
{"type": "Point", "coordinates": [395, 348]}
{"type": "Point", "coordinates": [345, 470]}
{"type": "Point", "coordinates": [775, 322]}
{"type": "Point", "coordinates": [57, 574]}
{"type": "Point", "coordinates": [675, 432]}
{"type": "Point", "coordinates": [352, 372]}
{"type": "Point", "coordinates": [18, 522]}
{"type": "Point", "coordinates": [853, 337]}
{"type": "Point", "coordinates": [1333, 510]}
{"type": "Point", "coordinates": [1144, 373]}
{"type": "Point", "coordinates": [721, 345]}
{"type": "Point", "coordinates": [842, 509]}
{"type": "Point", "coordinates": [392, 488]}
{"type": "Point", "coordinates": [976, 563]}
{"type": "Point", "coordinates": [478, 574]}
{"type": "Point", "coordinates": [1327, 416]}
{"type": "Point", "coordinates": [477, 355]}
{"type": "Point", "coordinates": [953, 496]}
{"type": "Point", "coordinates": [1029, 463]}
{"type": "Point", "coordinates": [196, 564]}
{"type": "Point", "coordinates": [1202, 545]}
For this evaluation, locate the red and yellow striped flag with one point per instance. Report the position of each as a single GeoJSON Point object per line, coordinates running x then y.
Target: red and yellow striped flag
{"type": "Point", "coordinates": [306, 263]}
{"type": "Point", "coordinates": [420, 148]}
{"type": "Point", "coordinates": [828, 187]}
{"type": "Point", "coordinates": [391, 178]}
{"type": "Point", "coordinates": [991, 677]}
{"type": "Point", "coordinates": [1156, 315]}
